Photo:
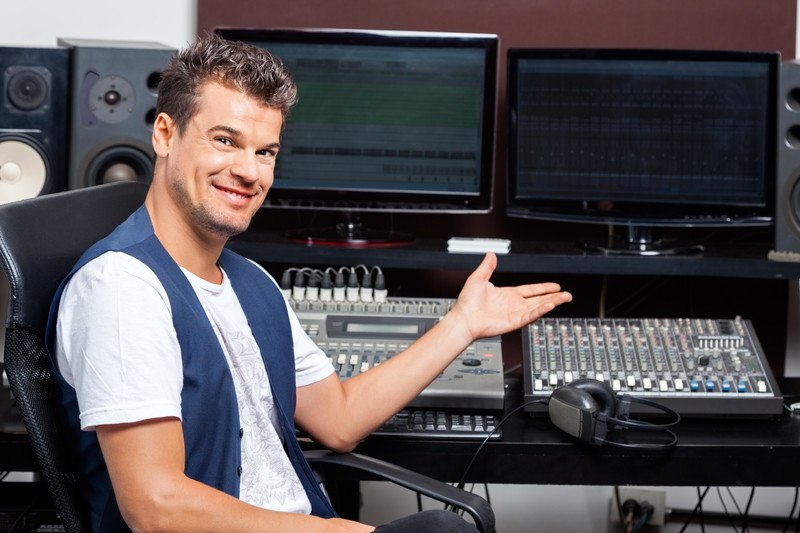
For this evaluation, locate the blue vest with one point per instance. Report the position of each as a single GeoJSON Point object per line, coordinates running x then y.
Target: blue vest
{"type": "Point", "coordinates": [209, 408]}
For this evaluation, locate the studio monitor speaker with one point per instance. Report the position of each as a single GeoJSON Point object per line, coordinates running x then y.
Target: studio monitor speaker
{"type": "Point", "coordinates": [787, 186]}
{"type": "Point", "coordinates": [113, 105]}
{"type": "Point", "coordinates": [33, 121]}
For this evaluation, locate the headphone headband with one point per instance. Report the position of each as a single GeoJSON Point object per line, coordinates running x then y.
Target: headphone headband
{"type": "Point", "coordinates": [588, 409]}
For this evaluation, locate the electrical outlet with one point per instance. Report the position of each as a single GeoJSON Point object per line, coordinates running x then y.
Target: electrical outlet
{"type": "Point", "coordinates": [656, 498]}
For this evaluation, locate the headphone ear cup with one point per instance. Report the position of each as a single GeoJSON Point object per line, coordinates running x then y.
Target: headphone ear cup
{"type": "Point", "coordinates": [572, 410]}
{"type": "Point", "coordinates": [601, 392]}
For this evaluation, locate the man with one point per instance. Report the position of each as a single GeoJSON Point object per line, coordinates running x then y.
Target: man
{"type": "Point", "coordinates": [185, 360]}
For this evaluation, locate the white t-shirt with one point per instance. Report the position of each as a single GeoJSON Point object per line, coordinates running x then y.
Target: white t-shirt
{"type": "Point", "coordinates": [117, 347]}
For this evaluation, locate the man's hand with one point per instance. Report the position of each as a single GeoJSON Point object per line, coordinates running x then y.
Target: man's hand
{"type": "Point", "coordinates": [486, 310]}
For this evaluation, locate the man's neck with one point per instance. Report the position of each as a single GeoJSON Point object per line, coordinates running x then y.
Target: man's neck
{"type": "Point", "coordinates": [199, 254]}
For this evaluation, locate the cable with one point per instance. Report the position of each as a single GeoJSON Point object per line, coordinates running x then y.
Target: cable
{"type": "Point", "coordinates": [646, 510]}
{"type": "Point", "coordinates": [797, 524]}
{"type": "Point", "coordinates": [747, 510]}
{"type": "Point", "coordinates": [619, 504]}
{"type": "Point", "coordinates": [22, 514]}
{"type": "Point", "coordinates": [601, 312]}
{"type": "Point", "coordinates": [725, 508]}
{"type": "Point", "coordinates": [694, 511]}
{"type": "Point", "coordinates": [791, 512]}
{"type": "Point", "coordinates": [700, 513]}
{"type": "Point", "coordinates": [497, 426]}
{"type": "Point", "coordinates": [352, 291]}
{"type": "Point", "coordinates": [339, 289]}
{"type": "Point", "coordinates": [630, 512]}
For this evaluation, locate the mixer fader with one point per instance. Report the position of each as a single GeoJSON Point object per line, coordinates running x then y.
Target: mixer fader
{"type": "Point", "coordinates": [703, 367]}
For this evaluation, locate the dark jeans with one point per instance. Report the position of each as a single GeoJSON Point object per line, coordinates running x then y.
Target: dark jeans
{"type": "Point", "coordinates": [428, 521]}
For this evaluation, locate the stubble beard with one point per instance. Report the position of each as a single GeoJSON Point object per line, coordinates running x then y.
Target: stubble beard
{"type": "Point", "coordinates": [205, 217]}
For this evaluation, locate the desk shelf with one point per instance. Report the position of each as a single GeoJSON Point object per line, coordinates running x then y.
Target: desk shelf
{"type": "Point", "coordinates": [741, 261]}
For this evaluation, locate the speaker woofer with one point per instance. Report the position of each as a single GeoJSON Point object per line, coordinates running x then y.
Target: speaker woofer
{"type": "Point", "coordinates": [23, 170]}
{"type": "Point", "coordinates": [119, 163]}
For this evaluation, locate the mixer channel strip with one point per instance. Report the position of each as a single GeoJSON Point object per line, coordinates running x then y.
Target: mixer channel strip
{"type": "Point", "coordinates": [698, 367]}
{"type": "Point", "coordinates": [357, 336]}
{"type": "Point", "coordinates": [444, 425]}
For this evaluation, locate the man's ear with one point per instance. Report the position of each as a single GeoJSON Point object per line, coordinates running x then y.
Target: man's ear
{"type": "Point", "coordinates": [164, 130]}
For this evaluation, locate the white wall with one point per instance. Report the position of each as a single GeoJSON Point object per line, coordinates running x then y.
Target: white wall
{"type": "Point", "coordinates": [41, 22]}
{"type": "Point", "coordinates": [173, 22]}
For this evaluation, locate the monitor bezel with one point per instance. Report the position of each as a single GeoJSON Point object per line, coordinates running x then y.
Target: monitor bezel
{"type": "Point", "coordinates": [634, 212]}
{"type": "Point", "coordinates": [369, 200]}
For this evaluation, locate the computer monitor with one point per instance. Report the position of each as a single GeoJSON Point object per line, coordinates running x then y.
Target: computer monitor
{"type": "Point", "coordinates": [642, 139]}
{"type": "Point", "coordinates": [387, 121]}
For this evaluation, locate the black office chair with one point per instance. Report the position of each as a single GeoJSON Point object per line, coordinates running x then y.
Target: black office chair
{"type": "Point", "coordinates": [40, 240]}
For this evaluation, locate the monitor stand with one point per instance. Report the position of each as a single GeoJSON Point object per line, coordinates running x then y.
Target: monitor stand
{"type": "Point", "coordinates": [640, 240]}
{"type": "Point", "coordinates": [349, 234]}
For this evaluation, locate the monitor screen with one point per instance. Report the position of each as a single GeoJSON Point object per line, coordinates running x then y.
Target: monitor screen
{"type": "Point", "coordinates": [642, 137]}
{"type": "Point", "coordinates": [386, 120]}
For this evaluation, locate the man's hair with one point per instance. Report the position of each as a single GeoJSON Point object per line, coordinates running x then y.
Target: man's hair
{"type": "Point", "coordinates": [251, 70]}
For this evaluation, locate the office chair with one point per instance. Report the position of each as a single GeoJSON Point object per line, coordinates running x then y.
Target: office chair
{"type": "Point", "coordinates": [40, 240]}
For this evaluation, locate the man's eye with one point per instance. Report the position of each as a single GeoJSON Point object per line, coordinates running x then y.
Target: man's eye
{"type": "Point", "coordinates": [224, 140]}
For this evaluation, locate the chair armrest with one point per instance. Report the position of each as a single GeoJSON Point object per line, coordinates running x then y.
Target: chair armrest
{"type": "Point", "coordinates": [473, 504]}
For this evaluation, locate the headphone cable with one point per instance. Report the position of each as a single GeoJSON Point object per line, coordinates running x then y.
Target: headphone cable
{"type": "Point", "coordinates": [462, 482]}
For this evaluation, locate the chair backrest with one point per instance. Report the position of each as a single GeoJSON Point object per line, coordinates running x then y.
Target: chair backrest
{"type": "Point", "coordinates": [40, 240]}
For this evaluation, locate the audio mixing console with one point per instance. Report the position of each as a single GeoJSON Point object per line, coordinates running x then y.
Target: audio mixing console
{"type": "Point", "coordinates": [700, 367]}
{"type": "Point", "coordinates": [359, 335]}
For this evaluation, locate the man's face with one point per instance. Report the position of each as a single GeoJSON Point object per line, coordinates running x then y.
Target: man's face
{"type": "Point", "coordinates": [221, 167]}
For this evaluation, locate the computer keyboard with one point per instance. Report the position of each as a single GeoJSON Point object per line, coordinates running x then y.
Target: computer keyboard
{"type": "Point", "coordinates": [437, 424]}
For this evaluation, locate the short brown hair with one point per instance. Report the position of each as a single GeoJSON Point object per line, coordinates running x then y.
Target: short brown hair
{"type": "Point", "coordinates": [252, 70]}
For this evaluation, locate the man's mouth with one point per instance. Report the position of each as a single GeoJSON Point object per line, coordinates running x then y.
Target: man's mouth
{"type": "Point", "coordinates": [235, 193]}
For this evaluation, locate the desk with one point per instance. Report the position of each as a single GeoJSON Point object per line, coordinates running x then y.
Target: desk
{"type": "Point", "coordinates": [709, 452]}
{"type": "Point", "coordinates": [532, 451]}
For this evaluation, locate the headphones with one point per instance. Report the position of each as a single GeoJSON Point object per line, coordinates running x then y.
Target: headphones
{"type": "Point", "coordinates": [587, 409]}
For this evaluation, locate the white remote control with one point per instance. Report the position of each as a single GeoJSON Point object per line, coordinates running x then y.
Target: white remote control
{"type": "Point", "coordinates": [478, 245]}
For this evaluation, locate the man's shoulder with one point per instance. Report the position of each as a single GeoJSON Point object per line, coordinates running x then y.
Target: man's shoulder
{"type": "Point", "coordinates": [114, 265]}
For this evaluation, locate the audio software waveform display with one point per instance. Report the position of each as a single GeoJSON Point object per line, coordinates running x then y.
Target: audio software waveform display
{"type": "Point", "coordinates": [679, 132]}
{"type": "Point", "coordinates": [383, 117]}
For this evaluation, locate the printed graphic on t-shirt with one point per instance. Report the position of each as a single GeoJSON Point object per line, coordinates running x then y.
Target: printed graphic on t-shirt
{"type": "Point", "coordinates": [268, 478]}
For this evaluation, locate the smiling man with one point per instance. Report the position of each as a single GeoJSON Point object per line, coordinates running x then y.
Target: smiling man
{"type": "Point", "coordinates": [181, 368]}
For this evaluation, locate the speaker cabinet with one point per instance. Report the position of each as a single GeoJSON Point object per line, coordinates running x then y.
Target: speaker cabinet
{"type": "Point", "coordinates": [787, 187]}
{"type": "Point", "coordinates": [33, 121]}
{"type": "Point", "coordinates": [113, 106]}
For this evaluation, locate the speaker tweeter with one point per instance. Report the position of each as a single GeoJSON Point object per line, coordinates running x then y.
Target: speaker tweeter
{"type": "Point", "coordinates": [115, 86]}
